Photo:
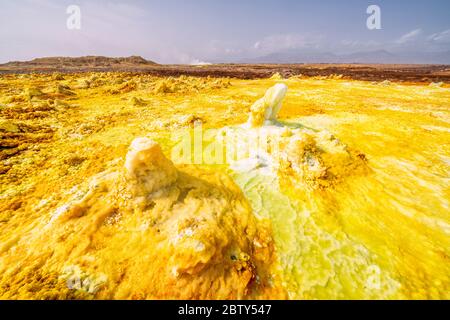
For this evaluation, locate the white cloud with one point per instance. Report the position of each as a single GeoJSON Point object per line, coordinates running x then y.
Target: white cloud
{"type": "Point", "coordinates": [281, 42]}
{"type": "Point", "coordinates": [440, 37]}
{"type": "Point", "coordinates": [409, 37]}
{"type": "Point", "coordinates": [347, 45]}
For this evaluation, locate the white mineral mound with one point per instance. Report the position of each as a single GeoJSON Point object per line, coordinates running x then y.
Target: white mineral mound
{"type": "Point", "coordinates": [148, 167]}
{"type": "Point", "coordinates": [266, 109]}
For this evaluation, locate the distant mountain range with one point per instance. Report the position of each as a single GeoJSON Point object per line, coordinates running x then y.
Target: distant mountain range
{"type": "Point", "coordinates": [286, 63]}
{"type": "Point", "coordinates": [366, 57]}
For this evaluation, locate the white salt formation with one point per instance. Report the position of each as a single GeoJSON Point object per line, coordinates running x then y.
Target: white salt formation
{"type": "Point", "coordinates": [266, 109]}
{"type": "Point", "coordinates": [176, 227]}
{"type": "Point", "coordinates": [307, 158]}
{"type": "Point", "coordinates": [146, 164]}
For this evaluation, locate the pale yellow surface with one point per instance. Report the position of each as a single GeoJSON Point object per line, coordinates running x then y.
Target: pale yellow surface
{"type": "Point", "coordinates": [368, 217]}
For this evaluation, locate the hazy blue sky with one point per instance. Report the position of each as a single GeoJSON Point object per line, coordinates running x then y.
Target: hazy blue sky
{"type": "Point", "coordinates": [183, 31]}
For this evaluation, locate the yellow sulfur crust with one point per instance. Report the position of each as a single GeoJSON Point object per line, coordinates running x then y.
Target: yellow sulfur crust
{"type": "Point", "coordinates": [357, 207]}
